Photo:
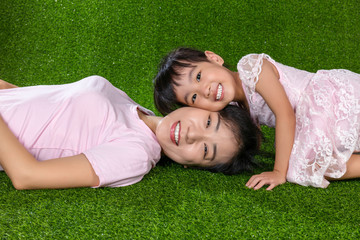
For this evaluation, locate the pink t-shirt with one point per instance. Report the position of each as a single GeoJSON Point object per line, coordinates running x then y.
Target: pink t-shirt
{"type": "Point", "coordinates": [90, 116]}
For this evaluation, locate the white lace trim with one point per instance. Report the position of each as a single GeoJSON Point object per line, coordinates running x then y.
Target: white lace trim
{"type": "Point", "coordinates": [327, 131]}
{"type": "Point", "coordinates": [249, 68]}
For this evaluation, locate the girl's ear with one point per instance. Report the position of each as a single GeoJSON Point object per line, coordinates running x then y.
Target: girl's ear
{"type": "Point", "coordinates": [185, 166]}
{"type": "Point", "coordinates": [213, 57]}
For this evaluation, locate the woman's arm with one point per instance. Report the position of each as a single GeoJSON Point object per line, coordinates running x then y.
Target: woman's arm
{"type": "Point", "coordinates": [270, 88]}
{"type": "Point", "coordinates": [6, 85]}
{"type": "Point", "coordinates": [26, 172]}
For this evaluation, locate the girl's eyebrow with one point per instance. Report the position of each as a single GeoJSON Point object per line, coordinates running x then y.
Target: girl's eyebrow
{"type": "Point", "coordinates": [190, 80]}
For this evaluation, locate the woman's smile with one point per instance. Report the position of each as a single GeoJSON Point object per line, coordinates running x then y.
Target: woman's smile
{"type": "Point", "coordinates": [175, 133]}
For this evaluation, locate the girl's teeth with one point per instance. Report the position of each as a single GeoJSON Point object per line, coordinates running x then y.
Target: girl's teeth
{"type": "Point", "coordinates": [177, 128]}
{"type": "Point", "coordinates": [219, 92]}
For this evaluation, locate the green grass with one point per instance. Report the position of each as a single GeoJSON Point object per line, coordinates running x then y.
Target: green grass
{"type": "Point", "coordinates": [52, 42]}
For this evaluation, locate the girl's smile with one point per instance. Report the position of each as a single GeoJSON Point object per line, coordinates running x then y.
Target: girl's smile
{"type": "Point", "coordinates": [219, 93]}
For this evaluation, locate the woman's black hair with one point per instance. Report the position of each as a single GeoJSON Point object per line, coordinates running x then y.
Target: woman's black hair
{"type": "Point", "coordinates": [248, 137]}
{"type": "Point", "coordinates": [169, 70]}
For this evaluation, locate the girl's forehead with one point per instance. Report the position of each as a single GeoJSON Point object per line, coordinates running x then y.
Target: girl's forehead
{"type": "Point", "coordinates": [178, 79]}
{"type": "Point", "coordinates": [181, 69]}
{"type": "Point", "coordinates": [182, 72]}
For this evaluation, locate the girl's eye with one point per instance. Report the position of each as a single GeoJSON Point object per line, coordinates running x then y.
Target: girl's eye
{"type": "Point", "coordinates": [208, 122]}
{"type": "Point", "coordinates": [198, 76]}
{"type": "Point", "coordinates": [193, 98]}
{"type": "Point", "coordinates": [205, 150]}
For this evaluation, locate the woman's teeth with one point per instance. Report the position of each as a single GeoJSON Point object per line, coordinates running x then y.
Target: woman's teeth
{"type": "Point", "coordinates": [177, 128]}
{"type": "Point", "coordinates": [219, 92]}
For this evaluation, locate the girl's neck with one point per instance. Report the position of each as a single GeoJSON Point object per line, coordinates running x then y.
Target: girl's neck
{"type": "Point", "coordinates": [150, 121]}
{"type": "Point", "coordinates": [239, 91]}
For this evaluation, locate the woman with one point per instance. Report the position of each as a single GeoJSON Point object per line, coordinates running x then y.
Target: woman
{"type": "Point", "coordinates": [95, 135]}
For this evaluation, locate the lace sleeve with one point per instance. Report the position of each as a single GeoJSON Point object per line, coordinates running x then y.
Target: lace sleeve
{"type": "Point", "coordinates": [249, 68]}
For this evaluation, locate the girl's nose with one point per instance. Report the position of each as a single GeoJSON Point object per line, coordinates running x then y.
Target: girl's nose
{"type": "Point", "coordinates": [206, 91]}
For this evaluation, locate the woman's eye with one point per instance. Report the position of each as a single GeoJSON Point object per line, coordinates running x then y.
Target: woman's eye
{"type": "Point", "coordinates": [193, 98]}
{"type": "Point", "coordinates": [198, 76]}
{"type": "Point", "coordinates": [208, 122]}
{"type": "Point", "coordinates": [205, 150]}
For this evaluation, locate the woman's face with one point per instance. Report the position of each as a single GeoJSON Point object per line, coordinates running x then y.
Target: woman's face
{"type": "Point", "coordinates": [196, 137]}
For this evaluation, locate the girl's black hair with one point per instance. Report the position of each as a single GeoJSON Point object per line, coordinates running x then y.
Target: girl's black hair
{"type": "Point", "coordinates": [169, 70]}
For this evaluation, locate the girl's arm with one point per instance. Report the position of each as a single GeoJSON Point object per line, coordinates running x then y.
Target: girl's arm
{"type": "Point", "coordinates": [26, 172]}
{"type": "Point", "coordinates": [6, 85]}
{"type": "Point", "coordinates": [270, 88]}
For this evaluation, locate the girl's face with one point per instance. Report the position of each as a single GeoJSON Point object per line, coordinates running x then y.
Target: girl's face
{"type": "Point", "coordinates": [208, 85]}
{"type": "Point", "coordinates": [196, 137]}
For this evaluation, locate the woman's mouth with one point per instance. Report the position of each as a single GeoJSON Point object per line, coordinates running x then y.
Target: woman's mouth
{"type": "Point", "coordinates": [219, 93]}
{"type": "Point", "coordinates": [175, 133]}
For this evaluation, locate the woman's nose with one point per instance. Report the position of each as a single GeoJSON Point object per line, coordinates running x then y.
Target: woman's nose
{"type": "Point", "coordinates": [193, 134]}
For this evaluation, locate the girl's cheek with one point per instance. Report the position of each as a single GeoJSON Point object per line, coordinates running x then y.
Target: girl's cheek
{"type": "Point", "coordinates": [214, 107]}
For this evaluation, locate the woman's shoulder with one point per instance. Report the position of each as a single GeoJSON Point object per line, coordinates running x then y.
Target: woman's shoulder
{"type": "Point", "coordinates": [94, 81]}
{"type": "Point", "coordinates": [97, 85]}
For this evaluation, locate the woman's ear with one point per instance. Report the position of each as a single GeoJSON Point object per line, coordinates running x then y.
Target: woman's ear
{"type": "Point", "coordinates": [185, 166]}
{"type": "Point", "coordinates": [213, 57]}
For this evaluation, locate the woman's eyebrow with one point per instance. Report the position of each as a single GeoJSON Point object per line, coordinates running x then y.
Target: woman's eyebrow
{"type": "Point", "coordinates": [214, 155]}
{"type": "Point", "coordinates": [218, 123]}
{"type": "Point", "coordinates": [215, 146]}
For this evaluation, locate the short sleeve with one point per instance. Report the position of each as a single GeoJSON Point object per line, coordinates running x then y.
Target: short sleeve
{"type": "Point", "coordinates": [121, 163]}
{"type": "Point", "coordinates": [249, 68]}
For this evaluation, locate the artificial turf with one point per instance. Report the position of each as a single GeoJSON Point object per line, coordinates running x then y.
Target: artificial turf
{"type": "Point", "coordinates": [54, 42]}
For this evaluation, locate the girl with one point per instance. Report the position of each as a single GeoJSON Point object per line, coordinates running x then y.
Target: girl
{"type": "Point", "coordinates": [316, 115]}
{"type": "Point", "coordinates": [95, 135]}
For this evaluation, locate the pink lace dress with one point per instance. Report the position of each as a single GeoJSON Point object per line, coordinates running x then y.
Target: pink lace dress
{"type": "Point", "coordinates": [327, 108]}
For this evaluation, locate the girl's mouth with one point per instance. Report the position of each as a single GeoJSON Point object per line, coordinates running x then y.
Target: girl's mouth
{"type": "Point", "coordinates": [175, 133]}
{"type": "Point", "coordinates": [219, 93]}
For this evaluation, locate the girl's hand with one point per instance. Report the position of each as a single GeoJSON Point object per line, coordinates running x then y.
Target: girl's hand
{"type": "Point", "coordinates": [272, 179]}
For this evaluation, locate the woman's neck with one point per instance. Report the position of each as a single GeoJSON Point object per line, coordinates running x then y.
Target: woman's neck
{"type": "Point", "coordinates": [150, 121]}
